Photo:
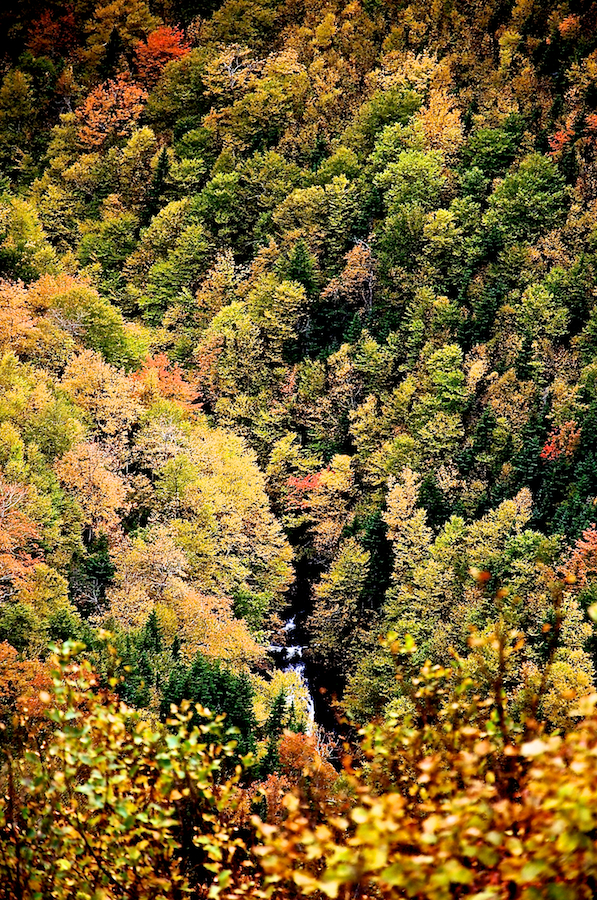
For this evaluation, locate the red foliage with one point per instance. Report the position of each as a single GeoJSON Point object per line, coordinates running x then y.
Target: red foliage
{"type": "Point", "coordinates": [564, 439]}
{"type": "Point", "coordinates": [161, 47]}
{"type": "Point", "coordinates": [559, 141]}
{"type": "Point", "coordinates": [300, 487]}
{"type": "Point", "coordinates": [53, 36]}
{"type": "Point", "coordinates": [161, 378]}
{"type": "Point", "coordinates": [583, 561]}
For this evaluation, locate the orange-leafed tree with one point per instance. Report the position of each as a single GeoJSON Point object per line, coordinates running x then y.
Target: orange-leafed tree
{"type": "Point", "coordinates": [354, 286]}
{"type": "Point", "coordinates": [582, 564]}
{"type": "Point", "coordinates": [88, 472]}
{"type": "Point", "coordinates": [159, 378]}
{"type": "Point", "coordinates": [17, 325]}
{"type": "Point", "coordinates": [110, 112]}
{"type": "Point", "coordinates": [108, 397]}
{"type": "Point", "coordinates": [18, 537]}
{"type": "Point", "coordinates": [21, 682]}
{"type": "Point", "coordinates": [562, 440]}
{"type": "Point", "coordinates": [161, 47]}
{"type": "Point", "coordinates": [303, 760]}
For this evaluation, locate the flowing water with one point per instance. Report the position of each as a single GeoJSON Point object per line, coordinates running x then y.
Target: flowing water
{"type": "Point", "coordinates": [289, 658]}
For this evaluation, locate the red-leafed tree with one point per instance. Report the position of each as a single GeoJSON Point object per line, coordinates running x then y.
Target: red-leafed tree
{"type": "Point", "coordinates": [53, 35]}
{"type": "Point", "coordinates": [161, 47]}
{"type": "Point", "coordinates": [563, 439]}
{"type": "Point", "coordinates": [300, 488]}
{"type": "Point", "coordinates": [582, 564]}
{"type": "Point", "coordinates": [560, 141]}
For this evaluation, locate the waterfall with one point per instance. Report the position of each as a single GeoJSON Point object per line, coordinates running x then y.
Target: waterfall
{"type": "Point", "coordinates": [289, 658]}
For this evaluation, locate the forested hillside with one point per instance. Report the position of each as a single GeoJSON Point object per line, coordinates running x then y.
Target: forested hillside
{"type": "Point", "coordinates": [298, 342]}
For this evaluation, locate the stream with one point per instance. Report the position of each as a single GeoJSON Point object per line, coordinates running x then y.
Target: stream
{"type": "Point", "coordinates": [289, 658]}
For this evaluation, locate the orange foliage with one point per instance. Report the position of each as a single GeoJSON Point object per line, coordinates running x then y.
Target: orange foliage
{"type": "Point", "coordinates": [25, 327]}
{"type": "Point", "coordinates": [87, 471]}
{"type": "Point", "coordinates": [582, 564]}
{"type": "Point", "coordinates": [17, 326]}
{"type": "Point", "coordinates": [161, 378]}
{"type": "Point", "coordinates": [42, 294]}
{"type": "Point", "coordinates": [357, 280]}
{"type": "Point", "coordinates": [110, 112]}
{"type": "Point", "coordinates": [160, 48]}
{"type": "Point", "coordinates": [107, 395]}
{"type": "Point", "coordinates": [442, 122]}
{"type": "Point", "coordinates": [302, 762]}
{"type": "Point", "coordinates": [273, 789]}
{"type": "Point", "coordinates": [18, 535]}
{"type": "Point", "coordinates": [569, 27]}
{"type": "Point", "coordinates": [21, 682]}
{"type": "Point", "coordinates": [564, 439]}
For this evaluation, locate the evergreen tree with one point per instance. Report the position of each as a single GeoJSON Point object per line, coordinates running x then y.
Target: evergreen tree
{"type": "Point", "coordinates": [151, 638]}
{"type": "Point", "coordinates": [157, 187]}
{"type": "Point", "coordinates": [218, 689]}
{"type": "Point", "coordinates": [301, 267]}
{"type": "Point", "coordinates": [109, 64]}
{"type": "Point", "coordinates": [273, 729]}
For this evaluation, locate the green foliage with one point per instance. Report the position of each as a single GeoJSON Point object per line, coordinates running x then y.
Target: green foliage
{"type": "Point", "coordinates": [384, 107]}
{"type": "Point", "coordinates": [529, 201]}
{"type": "Point", "coordinates": [319, 304]}
{"type": "Point", "coordinates": [218, 689]}
{"type": "Point", "coordinates": [25, 252]}
{"type": "Point", "coordinates": [490, 150]}
{"type": "Point", "coordinates": [111, 802]}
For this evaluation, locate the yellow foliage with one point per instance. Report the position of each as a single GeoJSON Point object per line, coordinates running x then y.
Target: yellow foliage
{"type": "Point", "coordinates": [267, 689]}
{"type": "Point", "coordinates": [207, 625]}
{"type": "Point", "coordinates": [88, 472]}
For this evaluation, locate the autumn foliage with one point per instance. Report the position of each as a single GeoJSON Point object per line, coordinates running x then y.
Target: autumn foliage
{"type": "Point", "coordinates": [449, 801]}
{"type": "Point", "coordinates": [563, 440]}
{"type": "Point", "coordinates": [298, 371]}
{"type": "Point", "coordinates": [160, 378]}
{"type": "Point", "coordinates": [161, 47]}
{"type": "Point", "coordinates": [110, 112]}
{"type": "Point", "coordinates": [19, 537]}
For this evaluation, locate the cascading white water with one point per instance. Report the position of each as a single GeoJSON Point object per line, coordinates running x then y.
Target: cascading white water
{"type": "Point", "coordinates": [292, 661]}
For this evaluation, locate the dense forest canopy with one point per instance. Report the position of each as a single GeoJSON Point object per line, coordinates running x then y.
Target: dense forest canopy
{"type": "Point", "coordinates": [298, 343]}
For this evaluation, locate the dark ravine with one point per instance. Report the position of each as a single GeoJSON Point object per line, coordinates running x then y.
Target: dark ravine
{"type": "Point", "coordinates": [294, 655]}
{"type": "Point", "coordinates": [289, 658]}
